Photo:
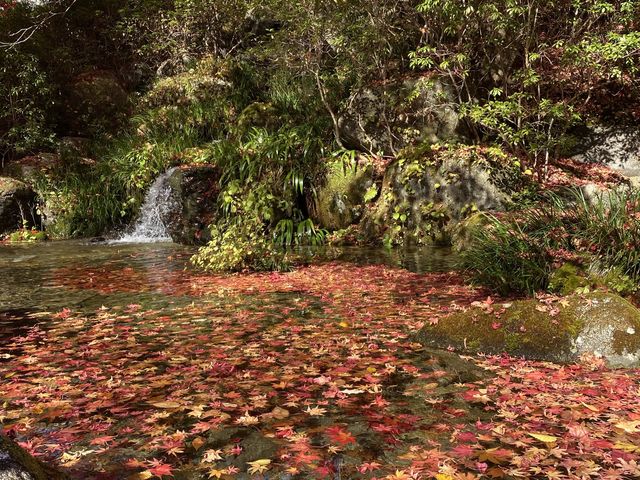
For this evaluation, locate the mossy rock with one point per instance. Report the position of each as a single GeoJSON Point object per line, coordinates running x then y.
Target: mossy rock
{"type": "Point", "coordinates": [430, 189]}
{"type": "Point", "coordinates": [16, 463]}
{"type": "Point", "coordinates": [195, 189]}
{"type": "Point", "coordinates": [17, 205]}
{"type": "Point", "coordinates": [567, 279]}
{"type": "Point", "coordinates": [347, 188]}
{"type": "Point", "coordinates": [461, 234]}
{"type": "Point", "coordinates": [598, 323]}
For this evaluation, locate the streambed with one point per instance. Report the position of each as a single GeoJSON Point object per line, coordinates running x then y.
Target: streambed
{"type": "Point", "coordinates": [117, 361]}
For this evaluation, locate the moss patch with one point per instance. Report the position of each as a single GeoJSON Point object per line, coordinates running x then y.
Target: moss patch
{"type": "Point", "coordinates": [349, 186]}
{"type": "Point", "coordinates": [567, 279]}
{"type": "Point", "coordinates": [599, 323]}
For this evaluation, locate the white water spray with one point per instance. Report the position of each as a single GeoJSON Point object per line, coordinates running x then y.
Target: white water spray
{"type": "Point", "coordinates": [151, 224]}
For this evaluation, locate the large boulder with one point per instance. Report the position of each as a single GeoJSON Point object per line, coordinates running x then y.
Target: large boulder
{"type": "Point", "coordinates": [431, 189]}
{"type": "Point", "coordinates": [195, 191]}
{"type": "Point", "coordinates": [17, 464]}
{"type": "Point", "coordinates": [617, 147]}
{"type": "Point", "coordinates": [17, 205]}
{"type": "Point", "coordinates": [600, 324]}
{"type": "Point", "coordinates": [384, 119]}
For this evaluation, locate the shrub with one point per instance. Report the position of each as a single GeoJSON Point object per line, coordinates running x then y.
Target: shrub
{"type": "Point", "coordinates": [507, 258]}
{"type": "Point", "coordinates": [238, 246]}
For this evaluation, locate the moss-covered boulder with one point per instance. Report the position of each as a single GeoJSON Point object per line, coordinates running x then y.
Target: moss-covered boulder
{"type": "Point", "coordinates": [195, 190]}
{"type": "Point", "coordinates": [348, 186]}
{"type": "Point", "coordinates": [602, 324]}
{"type": "Point", "coordinates": [17, 464]}
{"type": "Point", "coordinates": [17, 205]}
{"type": "Point", "coordinates": [430, 189]}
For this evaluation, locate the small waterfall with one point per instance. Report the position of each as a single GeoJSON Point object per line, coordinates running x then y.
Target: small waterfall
{"type": "Point", "coordinates": [151, 223]}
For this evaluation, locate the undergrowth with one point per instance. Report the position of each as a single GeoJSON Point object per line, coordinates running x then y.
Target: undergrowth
{"type": "Point", "coordinates": [518, 252]}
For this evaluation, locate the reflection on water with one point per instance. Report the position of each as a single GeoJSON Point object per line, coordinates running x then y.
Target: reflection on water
{"type": "Point", "coordinates": [28, 272]}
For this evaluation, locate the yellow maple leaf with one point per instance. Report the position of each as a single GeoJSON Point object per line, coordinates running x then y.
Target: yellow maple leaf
{"type": "Point", "coordinates": [629, 426]}
{"type": "Point", "coordinates": [214, 473]}
{"type": "Point", "coordinates": [544, 438]}
{"type": "Point", "coordinates": [259, 466]}
{"type": "Point", "coordinates": [627, 447]}
{"type": "Point", "coordinates": [141, 475]}
{"type": "Point", "coordinates": [168, 405]}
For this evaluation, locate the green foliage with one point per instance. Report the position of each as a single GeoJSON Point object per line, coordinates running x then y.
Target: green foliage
{"type": "Point", "coordinates": [505, 257]}
{"type": "Point", "coordinates": [517, 253]}
{"type": "Point", "coordinates": [240, 245]}
{"type": "Point", "coordinates": [27, 98]}
{"type": "Point", "coordinates": [524, 72]}
{"type": "Point", "coordinates": [27, 235]}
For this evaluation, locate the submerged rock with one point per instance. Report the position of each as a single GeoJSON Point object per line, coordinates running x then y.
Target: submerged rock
{"type": "Point", "coordinates": [17, 464]}
{"type": "Point", "coordinates": [195, 190]}
{"type": "Point", "coordinates": [17, 205]}
{"type": "Point", "coordinates": [602, 324]}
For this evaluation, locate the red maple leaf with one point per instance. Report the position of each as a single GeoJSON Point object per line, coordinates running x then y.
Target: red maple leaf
{"type": "Point", "coordinates": [340, 436]}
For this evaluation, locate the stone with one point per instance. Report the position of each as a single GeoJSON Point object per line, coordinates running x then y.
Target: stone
{"type": "Point", "coordinates": [17, 205]}
{"type": "Point", "coordinates": [429, 190]}
{"type": "Point", "coordinates": [195, 190]}
{"type": "Point", "coordinates": [348, 186]}
{"type": "Point", "coordinates": [17, 464]}
{"type": "Point", "coordinates": [616, 146]}
{"type": "Point", "coordinates": [28, 168]}
{"type": "Point", "coordinates": [601, 324]}
{"type": "Point", "coordinates": [385, 119]}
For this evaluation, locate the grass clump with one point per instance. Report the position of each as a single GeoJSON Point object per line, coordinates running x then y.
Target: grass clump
{"type": "Point", "coordinates": [519, 252]}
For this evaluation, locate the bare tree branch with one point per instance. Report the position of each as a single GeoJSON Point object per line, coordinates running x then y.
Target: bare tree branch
{"type": "Point", "coordinates": [59, 8]}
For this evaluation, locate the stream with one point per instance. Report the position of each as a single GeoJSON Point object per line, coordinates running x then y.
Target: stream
{"type": "Point", "coordinates": [118, 361]}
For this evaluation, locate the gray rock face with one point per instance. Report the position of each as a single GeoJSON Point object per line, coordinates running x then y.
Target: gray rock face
{"type": "Point", "coordinates": [17, 204]}
{"type": "Point", "coordinates": [615, 146]}
{"type": "Point", "coordinates": [424, 201]}
{"type": "Point", "coordinates": [16, 464]}
{"type": "Point", "coordinates": [195, 190]}
{"type": "Point", "coordinates": [601, 324]}
{"type": "Point", "coordinates": [385, 119]}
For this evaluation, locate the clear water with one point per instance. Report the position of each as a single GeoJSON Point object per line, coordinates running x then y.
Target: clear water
{"type": "Point", "coordinates": [57, 296]}
{"type": "Point", "coordinates": [29, 272]}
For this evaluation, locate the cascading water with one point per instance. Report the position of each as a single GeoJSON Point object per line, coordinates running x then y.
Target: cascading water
{"type": "Point", "coordinates": [158, 205]}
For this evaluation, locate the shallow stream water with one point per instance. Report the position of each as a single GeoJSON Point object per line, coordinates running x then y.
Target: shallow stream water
{"type": "Point", "coordinates": [118, 361]}
{"type": "Point", "coordinates": [28, 272]}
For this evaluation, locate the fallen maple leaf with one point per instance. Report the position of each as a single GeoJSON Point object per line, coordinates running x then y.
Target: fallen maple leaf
{"type": "Point", "coordinates": [544, 438]}
{"type": "Point", "coordinates": [259, 466]}
{"type": "Point", "coordinates": [628, 426]}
